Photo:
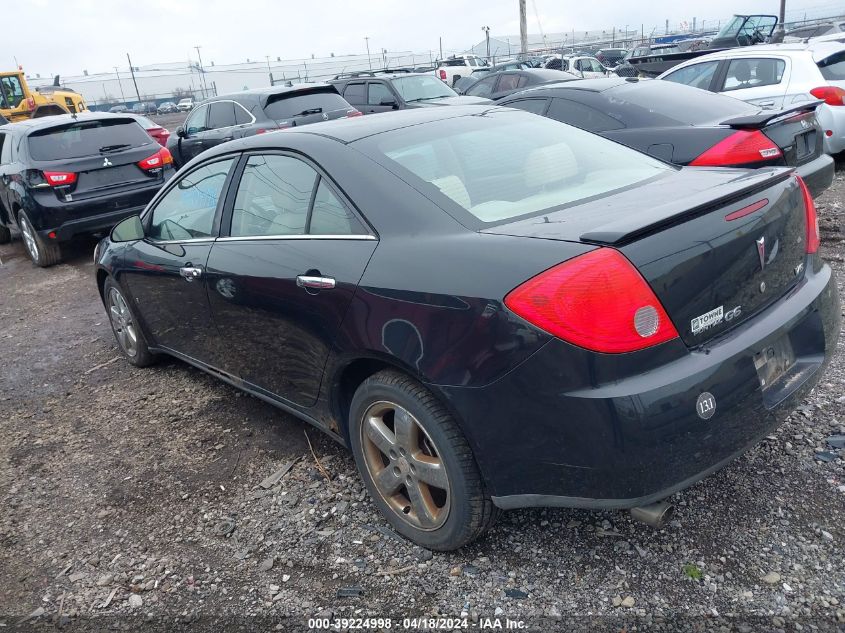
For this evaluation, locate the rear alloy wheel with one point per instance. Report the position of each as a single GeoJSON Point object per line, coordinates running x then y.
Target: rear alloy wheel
{"type": "Point", "coordinates": [416, 463]}
{"type": "Point", "coordinates": [40, 252]}
{"type": "Point", "coordinates": [128, 335]}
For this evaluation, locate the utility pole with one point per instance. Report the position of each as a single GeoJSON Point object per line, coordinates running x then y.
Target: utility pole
{"type": "Point", "coordinates": [486, 30]}
{"type": "Point", "coordinates": [132, 70]}
{"type": "Point", "coordinates": [441, 48]}
{"type": "Point", "coordinates": [269, 72]}
{"type": "Point", "coordinates": [523, 30]}
{"type": "Point", "coordinates": [202, 74]}
{"type": "Point", "coordinates": [122, 96]}
{"type": "Point", "coordinates": [777, 36]}
{"type": "Point", "coordinates": [369, 61]}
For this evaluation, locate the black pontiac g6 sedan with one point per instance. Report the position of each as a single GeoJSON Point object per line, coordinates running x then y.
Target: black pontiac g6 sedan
{"type": "Point", "coordinates": [492, 309]}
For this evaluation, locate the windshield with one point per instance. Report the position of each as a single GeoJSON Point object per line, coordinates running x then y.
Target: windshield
{"type": "Point", "coordinates": [85, 139]}
{"type": "Point", "coordinates": [747, 25]}
{"type": "Point", "coordinates": [422, 87]}
{"type": "Point", "coordinates": [540, 164]}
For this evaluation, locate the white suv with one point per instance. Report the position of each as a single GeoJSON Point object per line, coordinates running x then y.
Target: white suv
{"type": "Point", "coordinates": [185, 104]}
{"type": "Point", "coordinates": [777, 76]}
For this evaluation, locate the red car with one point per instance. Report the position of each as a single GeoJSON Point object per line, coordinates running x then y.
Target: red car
{"type": "Point", "coordinates": [159, 134]}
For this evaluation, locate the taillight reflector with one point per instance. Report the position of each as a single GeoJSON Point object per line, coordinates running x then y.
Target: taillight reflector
{"type": "Point", "coordinates": [60, 178]}
{"type": "Point", "coordinates": [741, 147]}
{"type": "Point", "coordinates": [832, 95]}
{"type": "Point", "coordinates": [598, 301]}
{"type": "Point", "coordinates": [352, 113]}
{"type": "Point", "coordinates": [813, 236]}
{"type": "Point", "coordinates": [161, 158]}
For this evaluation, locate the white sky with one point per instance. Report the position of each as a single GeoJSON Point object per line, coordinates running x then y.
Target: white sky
{"type": "Point", "coordinates": [67, 36]}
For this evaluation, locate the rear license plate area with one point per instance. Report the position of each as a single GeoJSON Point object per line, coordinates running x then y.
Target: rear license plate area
{"type": "Point", "coordinates": [774, 361]}
{"type": "Point", "coordinates": [805, 145]}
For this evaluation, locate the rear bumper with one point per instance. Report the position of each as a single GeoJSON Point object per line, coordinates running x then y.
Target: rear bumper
{"type": "Point", "coordinates": [68, 219]}
{"type": "Point", "coordinates": [832, 119]}
{"type": "Point", "coordinates": [818, 174]}
{"type": "Point", "coordinates": [555, 433]}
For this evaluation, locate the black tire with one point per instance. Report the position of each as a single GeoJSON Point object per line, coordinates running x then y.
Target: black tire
{"type": "Point", "coordinates": [470, 510]}
{"type": "Point", "coordinates": [5, 234]}
{"type": "Point", "coordinates": [139, 354]}
{"type": "Point", "coordinates": [41, 252]}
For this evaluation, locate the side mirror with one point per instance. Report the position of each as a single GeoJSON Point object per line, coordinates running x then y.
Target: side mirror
{"type": "Point", "coordinates": [128, 230]}
{"type": "Point", "coordinates": [389, 101]}
{"type": "Point", "coordinates": [180, 132]}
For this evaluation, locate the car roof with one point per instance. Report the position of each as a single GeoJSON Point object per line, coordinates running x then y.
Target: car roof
{"type": "Point", "coordinates": [261, 95]}
{"type": "Point", "coordinates": [547, 74]}
{"type": "Point", "coordinates": [46, 122]}
{"type": "Point", "coordinates": [591, 85]}
{"type": "Point", "coordinates": [366, 76]}
{"type": "Point", "coordinates": [354, 129]}
{"type": "Point", "coordinates": [815, 50]}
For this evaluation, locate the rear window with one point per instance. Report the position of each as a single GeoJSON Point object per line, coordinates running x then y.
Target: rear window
{"type": "Point", "coordinates": [287, 105]}
{"type": "Point", "coordinates": [833, 67]}
{"type": "Point", "coordinates": [539, 163]}
{"type": "Point", "coordinates": [85, 138]}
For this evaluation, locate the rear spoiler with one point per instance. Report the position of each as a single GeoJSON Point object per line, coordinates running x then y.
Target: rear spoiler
{"type": "Point", "coordinates": [762, 119]}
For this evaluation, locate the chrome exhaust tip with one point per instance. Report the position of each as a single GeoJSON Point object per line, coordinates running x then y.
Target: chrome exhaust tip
{"type": "Point", "coordinates": [657, 515]}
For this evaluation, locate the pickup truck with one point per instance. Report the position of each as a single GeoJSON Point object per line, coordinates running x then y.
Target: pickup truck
{"type": "Point", "coordinates": [457, 66]}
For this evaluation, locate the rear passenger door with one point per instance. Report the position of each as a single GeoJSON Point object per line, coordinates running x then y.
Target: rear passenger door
{"type": "Point", "coordinates": [220, 126]}
{"type": "Point", "coordinates": [281, 278]}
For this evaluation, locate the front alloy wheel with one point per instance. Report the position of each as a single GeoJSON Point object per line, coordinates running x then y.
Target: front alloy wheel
{"type": "Point", "coordinates": [122, 323]}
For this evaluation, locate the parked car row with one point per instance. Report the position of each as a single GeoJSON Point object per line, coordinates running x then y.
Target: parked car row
{"type": "Point", "coordinates": [642, 254]}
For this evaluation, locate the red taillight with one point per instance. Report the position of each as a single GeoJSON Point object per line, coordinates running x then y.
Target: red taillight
{"type": "Point", "coordinates": [744, 146]}
{"type": "Point", "coordinates": [161, 158]}
{"type": "Point", "coordinates": [832, 95]}
{"type": "Point", "coordinates": [442, 74]}
{"type": "Point", "coordinates": [60, 178]}
{"type": "Point", "coordinates": [352, 113]}
{"type": "Point", "coordinates": [598, 301]}
{"type": "Point", "coordinates": [813, 237]}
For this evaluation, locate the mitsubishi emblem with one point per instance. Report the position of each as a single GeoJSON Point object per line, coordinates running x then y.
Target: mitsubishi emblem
{"type": "Point", "coordinates": [761, 252]}
{"type": "Point", "coordinates": [107, 162]}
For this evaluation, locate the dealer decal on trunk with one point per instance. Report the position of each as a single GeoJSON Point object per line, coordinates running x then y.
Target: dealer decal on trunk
{"type": "Point", "coordinates": [714, 317]}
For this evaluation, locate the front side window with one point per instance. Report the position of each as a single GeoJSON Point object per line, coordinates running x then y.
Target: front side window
{"type": "Point", "coordinates": [196, 123]}
{"type": "Point", "coordinates": [378, 92]}
{"type": "Point", "coordinates": [12, 91]}
{"type": "Point", "coordinates": [273, 197]}
{"type": "Point", "coordinates": [187, 211]}
{"type": "Point", "coordinates": [483, 88]}
{"type": "Point", "coordinates": [540, 165]}
{"type": "Point", "coordinates": [751, 73]}
{"type": "Point", "coordinates": [697, 75]}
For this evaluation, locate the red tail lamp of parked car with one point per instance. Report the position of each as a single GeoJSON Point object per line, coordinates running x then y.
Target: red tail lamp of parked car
{"type": "Point", "coordinates": [598, 301]}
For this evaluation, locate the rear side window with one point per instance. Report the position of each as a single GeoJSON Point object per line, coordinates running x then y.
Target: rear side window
{"type": "Point", "coordinates": [582, 116]}
{"type": "Point", "coordinates": [284, 107]}
{"type": "Point", "coordinates": [330, 217]}
{"type": "Point", "coordinates": [483, 88]}
{"type": "Point", "coordinates": [697, 75]}
{"type": "Point", "coordinates": [86, 138]}
{"type": "Point", "coordinates": [511, 82]}
{"type": "Point", "coordinates": [751, 73]}
{"type": "Point", "coordinates": [221, 114]}
{"type": "Point", "coordinates": [833, 67]}
{"type": "Point", "coordinates": [537, 106]}
{"type": "Point", "coordinates": [355, 93]}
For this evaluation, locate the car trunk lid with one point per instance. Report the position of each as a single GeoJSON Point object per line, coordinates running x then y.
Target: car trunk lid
{"type": "Point", "coordinates": [716, 256]}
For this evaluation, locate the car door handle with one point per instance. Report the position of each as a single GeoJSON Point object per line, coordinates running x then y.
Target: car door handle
{"type": "Point", "coordinates": [321, 283]}
{"type": "Point", "coordinates": [766, 104]}
{"type": "Point", "coordinates": [190, 272]}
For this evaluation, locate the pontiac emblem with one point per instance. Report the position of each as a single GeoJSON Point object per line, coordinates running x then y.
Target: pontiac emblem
{"type": "Point", "coordinates": [761, 252]}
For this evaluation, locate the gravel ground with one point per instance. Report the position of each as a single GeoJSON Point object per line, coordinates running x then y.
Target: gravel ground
{"type": "Point", "coordinates": [132, 499]}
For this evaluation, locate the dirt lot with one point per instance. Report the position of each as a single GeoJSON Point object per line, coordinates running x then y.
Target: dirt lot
{"type": "Point", "coordinates": [130, 498]}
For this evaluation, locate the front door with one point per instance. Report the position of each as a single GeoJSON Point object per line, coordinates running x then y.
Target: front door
{"type": "Point", "coordinates": [281, 281]}
{"type": "Point", "coordinates": [379, 98]}
{"type": "Point", "coordinates": [165, 272]}
{"type": "Point", "coordinates": [195, 126]}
